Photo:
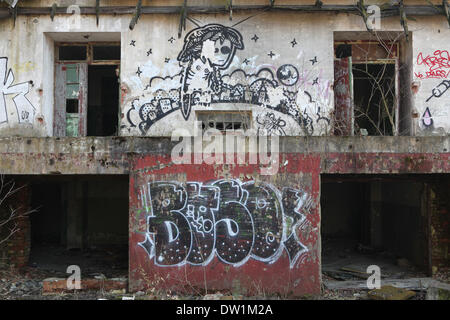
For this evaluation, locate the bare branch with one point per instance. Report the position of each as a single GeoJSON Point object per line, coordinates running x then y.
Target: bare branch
{"type": "Point", "coordinates": [10, 214]}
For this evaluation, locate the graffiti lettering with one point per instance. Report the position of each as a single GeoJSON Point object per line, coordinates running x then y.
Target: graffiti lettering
{"type": "Point", "coordinates": [437, 64]}
{"type": "Point", "coordinates": [24, 108]}
{"type": "Point", "coordinates": [191, 223]}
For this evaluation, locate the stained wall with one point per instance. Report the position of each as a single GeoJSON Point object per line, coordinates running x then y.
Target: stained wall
{"type": "Point", "coordinates": [278, 65]}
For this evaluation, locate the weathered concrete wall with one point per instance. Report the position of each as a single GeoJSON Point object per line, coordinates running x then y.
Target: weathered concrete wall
{"type": "Point", "coordinates": [264, 71]}
{"type": "Point", "coordinates": [439, 205]}
{"type": "Point", "coordinates": [103, 155]}
{"type": "Point", "coordinates": [287, 84]}
{"type": "Point", "coordinates": [177, 206]}
{"type": "Point", "coordinates": [431, 73]}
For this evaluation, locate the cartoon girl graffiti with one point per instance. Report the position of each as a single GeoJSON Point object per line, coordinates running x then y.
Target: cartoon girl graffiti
{"type": "Point", "coordinates": [206, 51]}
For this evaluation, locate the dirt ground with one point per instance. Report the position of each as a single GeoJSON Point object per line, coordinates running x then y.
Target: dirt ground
{"type": "Point", "coordinates": [26, 284]}
{"type": "Point", "coordinates": [51, 261]}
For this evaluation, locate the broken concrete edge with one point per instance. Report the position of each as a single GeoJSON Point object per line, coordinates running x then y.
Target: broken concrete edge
{"type": "Point", "coordinates": [164, 145]}
{"type": "Point", "coordinates": [411, 284]}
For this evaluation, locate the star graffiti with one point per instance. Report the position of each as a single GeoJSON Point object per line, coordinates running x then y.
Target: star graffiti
{"type": "Point", "coordinates": [255, 38]}
{"type": "Point", "coordinates": [149, 52]}
{"type": "Point", "coordinates": [313, 61]}
{"type": "Point", "coordinates": [139, 72]}
{"type": "Point", "coordinates": [315, 81]}
{"type": "Point", "coordinates": [133, 43]}
{"type": "Point", "coordinates": [166, 60]}
{"type": "Point", "coordinates": [293, 42]}
{"type": "Point", "coordinates": [271, 54]}
{"type": "Point", "coordinates": [171, 40]}
{"type": "Point", "coordinates": [246, 61]}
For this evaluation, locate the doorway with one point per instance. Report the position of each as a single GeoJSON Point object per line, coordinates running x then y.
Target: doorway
{"type": "Point", "coordinates": [86, 89]}
{"type": "Point", "coordinates": [103, 100]}
{"type": "Point", "coordinates": [380, 220]}
{"type": "Point", "coordinates": [82, 221]}
{"type": "Point", "coordinates": [369, 96]}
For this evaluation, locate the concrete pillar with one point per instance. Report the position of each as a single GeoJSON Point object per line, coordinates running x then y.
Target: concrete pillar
{"type": "Point", "coordinates": [376, 231]}
{"type": "Point", "coordinates": [74, 217]}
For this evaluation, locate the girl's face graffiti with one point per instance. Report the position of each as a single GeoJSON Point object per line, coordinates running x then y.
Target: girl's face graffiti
{"type": "Point", "coordinates": [222, 52]}
{"type": "Point", "coordinates": [218, 53]}
{"type": "Point", "coordinates": [207, 54]}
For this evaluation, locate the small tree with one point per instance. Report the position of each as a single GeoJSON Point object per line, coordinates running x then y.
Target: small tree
{"type": "Point", "coordinates": [10, 214]}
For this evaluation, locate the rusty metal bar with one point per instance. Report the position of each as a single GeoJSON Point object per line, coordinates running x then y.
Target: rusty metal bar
{"type": "Point", "coordinates": [417, 10]}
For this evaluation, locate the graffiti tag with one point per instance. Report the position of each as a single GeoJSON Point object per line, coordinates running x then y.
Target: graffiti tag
{"type": "Point", "coordinates": [437, 64]}
{"type": "Point", "coordinates": [24, 108]}
{"type": "Point", "coordinates": [236, 221]}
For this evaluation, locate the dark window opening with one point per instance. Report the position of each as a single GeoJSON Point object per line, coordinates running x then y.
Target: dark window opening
{"type": "Point", "coordinates": [374, 220]}
{"type": "Point", "coordinates": [368, 84]}
{"type": "Point", "coordinates": [81, 221]}
{"type": "Point", "coordinates": [224, 121]}
{"type": "Point", "coordinates": [72, 105]}
{"type": "Point", "coordinates": [72, 53]}
{"type": "Point", "coordinates": [374, 99]}
{"type": "Point", "coordinates": [103, 101]}
{"type": "Point", "coordinates": [103, 52]}
{"type": "Point", "coordinates": [343, 51]}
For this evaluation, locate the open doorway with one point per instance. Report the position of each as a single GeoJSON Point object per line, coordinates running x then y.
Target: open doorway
{"type": "Point", "coordinates": [86, 89]}
{"type": "Point", "coordinates": [80, 220]}
{"type": "Point", "coordinates": [374, 98]}
{"type": "Point", "coordinates": [380, 220]}
{"type": "Point", "coordinates": [371, 74]}
{"type": "Point", "coordinates": [103, 100]}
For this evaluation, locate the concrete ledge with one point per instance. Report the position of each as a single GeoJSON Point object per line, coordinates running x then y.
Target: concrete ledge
{"type": "Point", "coordinates": [163, 145]}
{"type": "Point", "coordinates": [114, 155]}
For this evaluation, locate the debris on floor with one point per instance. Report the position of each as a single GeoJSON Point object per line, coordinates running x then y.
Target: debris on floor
{"type": "Point", "coordinates": [390, 293]}
{"type": "Point", "coordinates": [438, 294]}
{"type": "Point", "coordinates": [345, 260]}
{"type": "Point", "coordinates": [57, 285]}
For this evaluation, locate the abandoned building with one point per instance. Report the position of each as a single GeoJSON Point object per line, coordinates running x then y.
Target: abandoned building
{"type": "Point", "coordinates": [357, 99]}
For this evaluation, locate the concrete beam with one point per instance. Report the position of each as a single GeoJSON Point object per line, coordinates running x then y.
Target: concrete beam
{"type": "Point", "coordinates": [112, 155]}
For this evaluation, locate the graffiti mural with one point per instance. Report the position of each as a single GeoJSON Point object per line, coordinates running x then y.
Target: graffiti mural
{"type": "Point", "coordinates": [439, 90]}
{"type": "Point", "coordinates": [236, 221]}
{"type": "Point", "coordinates": [433, 69]}
{"type": "Point", "coordinates": [436, 93]}
{"type": "Point", "coordinates": [427, 119]}
{"type": "Point", "coordinates": [24, 108]}
{"type": "Point", "coordinates": [206, 78]}
{"type": "Point", "coordinates": [270, 124]}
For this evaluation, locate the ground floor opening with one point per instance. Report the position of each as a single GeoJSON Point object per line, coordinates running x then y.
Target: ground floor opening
{"type": "Point", "coordinates": [79, 221]}
{"type": "Point", "coordinates": [382, 220]}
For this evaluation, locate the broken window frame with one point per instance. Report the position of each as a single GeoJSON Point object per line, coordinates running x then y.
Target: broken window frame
{"type": "Point", "coordinates": [246, 119]}
{"type": "Point", "coordinates": [393, 58]}
{"type": "Point", "coordinates": [89, 52]}
{"type": "Point", "coordinates": [60, 114]}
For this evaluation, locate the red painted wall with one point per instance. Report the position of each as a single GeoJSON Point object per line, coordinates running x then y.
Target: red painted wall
{"type": "Point", "coordinates": [280, 275]}
{"type": "Point", "coordinates": [288, 276]}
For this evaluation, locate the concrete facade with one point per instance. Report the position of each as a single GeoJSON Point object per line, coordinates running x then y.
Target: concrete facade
{"type": "Point", "coordinates": [226, 225]}
{"type": "Point", "coordinates": [151, 80]}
